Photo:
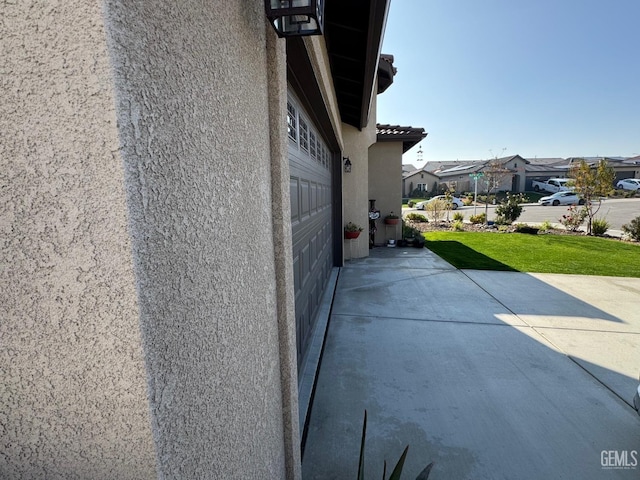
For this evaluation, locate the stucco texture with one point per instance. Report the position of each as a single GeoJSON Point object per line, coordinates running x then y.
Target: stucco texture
{"type": "Point", "coordinates": [355, 185]}
{"type": "Point", "coordinates": [385, 185]}
{"type": "Point", "coordinates": [73, 400]}
{"type": "Point", "coordinates": [193, 110]}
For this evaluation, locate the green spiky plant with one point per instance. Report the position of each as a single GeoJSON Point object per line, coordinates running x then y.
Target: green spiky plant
{"type": "Point", "coordinates": [397, 470]}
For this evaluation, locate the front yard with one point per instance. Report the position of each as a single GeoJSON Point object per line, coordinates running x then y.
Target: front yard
{"type": "Point", "coordinates": [547, 253]}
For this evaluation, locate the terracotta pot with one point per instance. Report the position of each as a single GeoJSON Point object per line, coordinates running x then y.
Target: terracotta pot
{"type": "Point", "coordinates": [391, 221]}
{"type": "Point", "coordinates": [350, 235]}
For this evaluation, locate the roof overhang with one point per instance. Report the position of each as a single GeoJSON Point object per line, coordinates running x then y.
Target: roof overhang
{"type": "Point", "coordinates": [409, 136]}
{"type": "Point", "coordinates": [353, 32]}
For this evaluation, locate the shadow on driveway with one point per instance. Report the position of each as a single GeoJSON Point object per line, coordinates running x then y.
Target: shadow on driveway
{"type": "Point", "coordinates": [489, 374]}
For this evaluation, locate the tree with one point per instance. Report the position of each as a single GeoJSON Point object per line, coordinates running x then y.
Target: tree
{"type": "Point", "coordinates": [592, 184]}
{"type": "Point", "coordinates": [494, 175]}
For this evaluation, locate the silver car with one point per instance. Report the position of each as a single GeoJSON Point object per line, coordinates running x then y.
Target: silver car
{"type": "Point", "coordinates": [629, 184]}
{"type": "Point", "coordinates": [562, 198]}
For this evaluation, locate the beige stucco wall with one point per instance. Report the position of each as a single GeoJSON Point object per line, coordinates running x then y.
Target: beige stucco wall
{"type": "Point", "coordinates": [193, 108]}
{"type": "Point", "coordinates": [355, 185]}
{"type": "Point", "coordinates": [73, 400]}
{"type": "Point", "coordinates": [385, 186]}
{"type": "Point", "coordinates": [146, 316]}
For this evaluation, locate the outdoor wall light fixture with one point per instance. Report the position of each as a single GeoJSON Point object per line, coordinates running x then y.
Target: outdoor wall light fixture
{"type": "Point", "coordinates": [296, 18]}
{"type": "Point", "coordinates": [347, 164]}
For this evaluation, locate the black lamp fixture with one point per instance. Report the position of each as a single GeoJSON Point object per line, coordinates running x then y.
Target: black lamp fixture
{"type": "Point", "coordinates": [347, 164]}
{"type": "Point", "coordinates": [296, 18]}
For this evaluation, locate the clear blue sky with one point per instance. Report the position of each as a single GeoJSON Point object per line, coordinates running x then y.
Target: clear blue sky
{"type": "Point", "coordinates": [544, 78]}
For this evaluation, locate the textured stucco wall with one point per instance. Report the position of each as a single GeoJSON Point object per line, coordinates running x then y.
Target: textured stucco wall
{"type": "Point", "coordinates": [355, 185]}
{"type": "Point", "coordinates": [282, 238]}
{"type": "Point", "coordinates": [73, 400]}
{"type": "Point", "coordinates": [385, 185]}
{"type": "Point", "coordinates": [193, 110]}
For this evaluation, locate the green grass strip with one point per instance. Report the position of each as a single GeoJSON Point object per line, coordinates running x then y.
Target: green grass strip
{"type": "Point", "coordinates": [580, 255]}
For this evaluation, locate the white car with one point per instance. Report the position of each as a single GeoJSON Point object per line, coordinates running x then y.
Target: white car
{"type": "Point", "coordinates": [629, 184]}
{"type": "Point", "coordinates": [562, 198]}
{"type": "Point", "coordinates": [455, 202]}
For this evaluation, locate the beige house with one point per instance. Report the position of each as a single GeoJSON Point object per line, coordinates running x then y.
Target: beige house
{"type": "Point", "coordinates": [173, 204]}
{"type": "Point", "coordinates": [421, 180]}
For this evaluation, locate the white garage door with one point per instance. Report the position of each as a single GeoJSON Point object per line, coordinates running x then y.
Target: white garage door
{"type": "Point", "coordinates": [311, 219]}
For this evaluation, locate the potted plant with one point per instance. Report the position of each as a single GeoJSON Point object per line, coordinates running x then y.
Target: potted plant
{"type": "Point", "coordinates": [391, 219]}
{"type": "Point", "coordinates": [351, 230]}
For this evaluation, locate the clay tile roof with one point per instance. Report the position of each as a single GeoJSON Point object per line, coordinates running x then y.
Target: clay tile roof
{"type": "Point", "coordinates": [409, 136]}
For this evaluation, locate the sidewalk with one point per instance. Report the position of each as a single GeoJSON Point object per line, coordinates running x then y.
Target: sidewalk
{"type": "Point", "coordinates": [489, 374]}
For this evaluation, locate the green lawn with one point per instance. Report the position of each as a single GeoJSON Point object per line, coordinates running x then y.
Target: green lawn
{"type": "Point", "coordinates": [580, 255]}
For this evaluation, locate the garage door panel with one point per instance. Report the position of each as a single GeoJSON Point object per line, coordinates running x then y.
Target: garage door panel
{"type": "Point", "coordinates": [294, 193]}
{"type": "Point", "coordinates": [311, 219]}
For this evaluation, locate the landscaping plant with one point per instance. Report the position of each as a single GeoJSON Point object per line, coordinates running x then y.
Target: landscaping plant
{"type": "Point", "coordinates": [437, 209]}
{"type": "Point", "coordinates": [633, 229]}
{"type": "Point", "coordinates": [416, 217]}
{"type": "Point", "coordinates": [397, 470]}
{"type": "Point", "coordinates": [545, 226]}
{"type": "Point", "coordinates": [478, 219]}
{"type": "Point", "coordinates": [458, 217]}
{"type": "Point", "coordinates": [511, 209]}
{"type": "Point", "coordinates": [599, 226]}
{"type": "Point", "coordinates": [574, 218]}
{"type": "Point", "coordinates": [457, 226]}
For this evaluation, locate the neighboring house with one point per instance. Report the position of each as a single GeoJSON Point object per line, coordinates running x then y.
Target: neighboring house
{"type": "Point", "coordinates": [456, 176]}
{"type": "Point", "coordinates": [173, 208]}
{"type": "Point", "coordinates": [544, 168]}
{"type": "Point", "coordinates": [421, 180]}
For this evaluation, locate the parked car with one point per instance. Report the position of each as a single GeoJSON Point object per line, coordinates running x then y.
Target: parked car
{"type": "Point", "coordinates": [629, 184]}
{"type": "Point", "coordinates": [455, 202]}
{"type": "Point", "coordinates": [562, 198]}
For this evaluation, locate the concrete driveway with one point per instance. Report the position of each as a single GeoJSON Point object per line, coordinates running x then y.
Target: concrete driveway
{"type": "Point", "coordinates": [490, 374]}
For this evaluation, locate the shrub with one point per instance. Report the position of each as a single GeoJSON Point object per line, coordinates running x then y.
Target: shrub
{"type": "Point", "coordinates": [633, 229]}
{"type": "Point", "coordinates": [458, 217]}
{"type": "Point", "coordinates": [599, 226]}
{"type": "Point", "coordinates": [479, 218]}
{"type": "Point", "coordinates": [457, 226]}
{"type": "Point", "coordinates": [524, 228]}
{"type": "Point", "coordinates": [574, 218]}
{"type": "Point", "coordinates": [411, 203]}
{"type": "Point", "coordinates": [545, 226]}
{"type": "Point", "coordinates": [417, 217]}
{"type": "Point", "coordinates": [437, 209]}
{"type": "Point", "coordinates": [509, 211]}
{"type": "Point", "coordinates": [409, 231]}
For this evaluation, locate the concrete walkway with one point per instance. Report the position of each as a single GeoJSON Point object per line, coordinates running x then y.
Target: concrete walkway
{"type": "Point", "coordinates": [492, 375]}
